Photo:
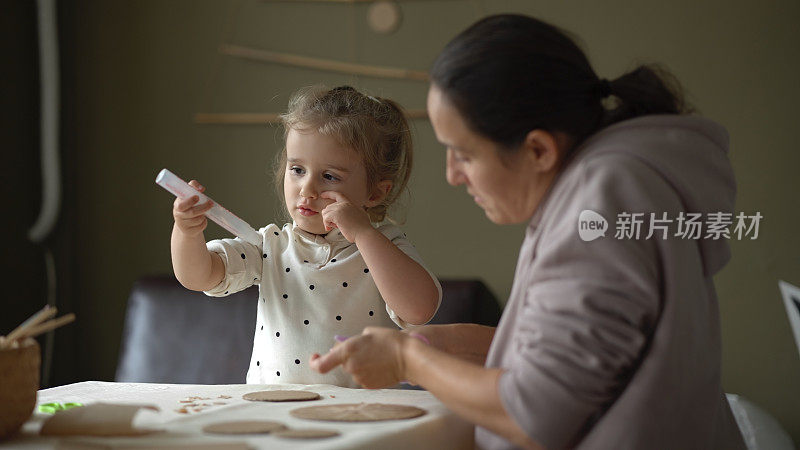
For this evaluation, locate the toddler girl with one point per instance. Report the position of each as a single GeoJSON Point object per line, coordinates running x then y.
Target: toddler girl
{"type": "Point", "coordinates": [338, 267]}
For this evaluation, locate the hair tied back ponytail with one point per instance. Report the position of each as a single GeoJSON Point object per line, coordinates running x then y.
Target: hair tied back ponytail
{"type": "Point", "coordinates": [647, 89]}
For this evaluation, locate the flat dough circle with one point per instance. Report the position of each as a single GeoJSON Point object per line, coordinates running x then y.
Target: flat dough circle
{"type": "Point", "coordinates": [358, 412]}
{"type": "Point", "coordinates": [281, 396]}
{"type": "Point", "coordinates": [306, 433]}
{"type": "Point", "coordinates": [244, 427]}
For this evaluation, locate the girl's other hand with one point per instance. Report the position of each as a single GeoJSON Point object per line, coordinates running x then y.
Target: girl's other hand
{"type": "Point", "coordinates": [189, 217]}
{"type": "Point", "coordinates": [347, 217]}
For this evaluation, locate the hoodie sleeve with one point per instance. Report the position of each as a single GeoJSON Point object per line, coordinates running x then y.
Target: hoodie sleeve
{"type": "Point", "coordinates": [589, 306]}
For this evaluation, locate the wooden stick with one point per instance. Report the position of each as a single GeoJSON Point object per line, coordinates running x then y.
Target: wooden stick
{"type": "Point", "coordinates": [267, 118]}
{"type": "Point", "coordinates": [322, 64]}
{"type": "Point", "coordinates": [43, 314]}
{"type": "Point", "coordinates": [49, 325]}
{"type": "Point", "coordinates": [237, 118]}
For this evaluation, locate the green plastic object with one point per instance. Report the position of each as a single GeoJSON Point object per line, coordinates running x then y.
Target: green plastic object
{"type": "Point", "coordinates": [47, 409]}
{"type": "Point", "coordinates": [52, 408]}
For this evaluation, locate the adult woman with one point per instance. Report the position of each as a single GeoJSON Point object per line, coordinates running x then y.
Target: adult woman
{"type": "Point", "coordinates": [605, 342]}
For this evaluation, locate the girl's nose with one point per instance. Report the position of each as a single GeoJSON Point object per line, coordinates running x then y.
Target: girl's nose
{"type": "Point", "coordinates": [308, 190]}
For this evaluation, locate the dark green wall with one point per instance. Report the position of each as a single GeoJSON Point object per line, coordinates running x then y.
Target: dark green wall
{"type": "Point", "coordinates": [19, 134]}
{"type": "Point", "coordinates": [139, 70]}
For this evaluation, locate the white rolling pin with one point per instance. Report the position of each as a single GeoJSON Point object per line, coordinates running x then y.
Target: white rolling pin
{"type": "Point", "coordinates": [217, 213]}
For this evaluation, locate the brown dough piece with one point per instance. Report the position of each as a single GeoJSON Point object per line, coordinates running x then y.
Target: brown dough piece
{"type": "Point", "coordinates": [306, 433]}
{"type": "Point", "coordinates": [244, 427]}
{"type": "Point", "coordinates": [281, 396]}
{"type": "Point", "coordinates": [358, 412]}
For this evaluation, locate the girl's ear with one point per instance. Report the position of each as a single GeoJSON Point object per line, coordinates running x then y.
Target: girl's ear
{"type": "Point", "coordinates": [381, 191]}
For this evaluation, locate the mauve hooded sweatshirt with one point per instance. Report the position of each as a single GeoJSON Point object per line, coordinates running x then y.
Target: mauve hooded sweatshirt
{"type": "Point", "coordinates": [614, 343]}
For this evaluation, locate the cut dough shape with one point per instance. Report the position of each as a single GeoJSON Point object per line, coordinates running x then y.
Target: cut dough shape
{"type": "Point", "coordinates": [306, 433]}
{"type": "Point", "coordinates": [358, 412]}
{"type": "Point", "coordinates": [244, 427]}
{"type": "Point", "coordinates": [281, 396]}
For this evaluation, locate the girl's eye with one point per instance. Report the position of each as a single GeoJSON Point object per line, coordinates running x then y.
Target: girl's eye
{"type": "Point", "coordinates": [297, 170]}
{"type": "Point", "coordinates": [330, 177]}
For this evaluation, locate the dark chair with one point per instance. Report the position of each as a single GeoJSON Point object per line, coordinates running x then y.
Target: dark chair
{"type": "Point", "coordinates": [174, 335]}
{"type": "Point", "coordinates": [467, 301]}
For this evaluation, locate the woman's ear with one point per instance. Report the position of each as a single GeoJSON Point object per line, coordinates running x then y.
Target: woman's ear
{"type": "Point", "coordinates": [543, 149]}
{"type": "Point", "coordinates": [381, 191]}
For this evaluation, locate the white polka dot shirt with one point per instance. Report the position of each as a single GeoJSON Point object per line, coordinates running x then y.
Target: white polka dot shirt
{"type": "Point", "coordinates": [311, 288]}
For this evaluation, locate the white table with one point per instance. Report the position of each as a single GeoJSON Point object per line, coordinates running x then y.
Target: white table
{"type": "Point", "coordinates": [438, 429]}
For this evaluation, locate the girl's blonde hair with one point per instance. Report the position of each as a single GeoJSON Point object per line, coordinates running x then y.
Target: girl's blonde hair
{"type": "Point", "coordinates": [375, 128]}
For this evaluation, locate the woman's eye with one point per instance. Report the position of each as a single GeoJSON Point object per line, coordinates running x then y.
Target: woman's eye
{"type": "Point", "coordinates": [458, 157]}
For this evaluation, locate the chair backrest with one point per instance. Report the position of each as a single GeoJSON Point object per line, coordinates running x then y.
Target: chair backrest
{"type": "Point", "coordinates": [467, 301]}
{"type": "Point", "coordinates": [174, 335]}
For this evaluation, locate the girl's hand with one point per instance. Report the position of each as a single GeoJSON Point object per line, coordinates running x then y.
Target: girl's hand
{"type": "Point", "coordinates": [347, 217]}
{"type": "Point", "coordinates": [374, 358]}
{"type": "Point", "coordinates": [190, 219]}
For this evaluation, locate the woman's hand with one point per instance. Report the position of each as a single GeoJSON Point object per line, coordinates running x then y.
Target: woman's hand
{"type": "Point", "coordinates": [382, 357]}
{"type": "Point", "coordinates": [347, 217]}
{"type": "Point", "coordinates": [374, 358]}
{"type": "Point", "coordinates": [189, 218]}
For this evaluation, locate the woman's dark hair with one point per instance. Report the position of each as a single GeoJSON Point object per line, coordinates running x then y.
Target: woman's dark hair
{"type": "Point", "coordinates": [510, 74]}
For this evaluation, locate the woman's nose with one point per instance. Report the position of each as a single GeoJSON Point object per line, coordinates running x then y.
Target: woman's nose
{"type": "Point", "coordinates": [452, 173]}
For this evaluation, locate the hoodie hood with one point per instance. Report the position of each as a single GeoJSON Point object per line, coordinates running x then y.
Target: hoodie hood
{"type": "Point", "coordinates": [691, 154]}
